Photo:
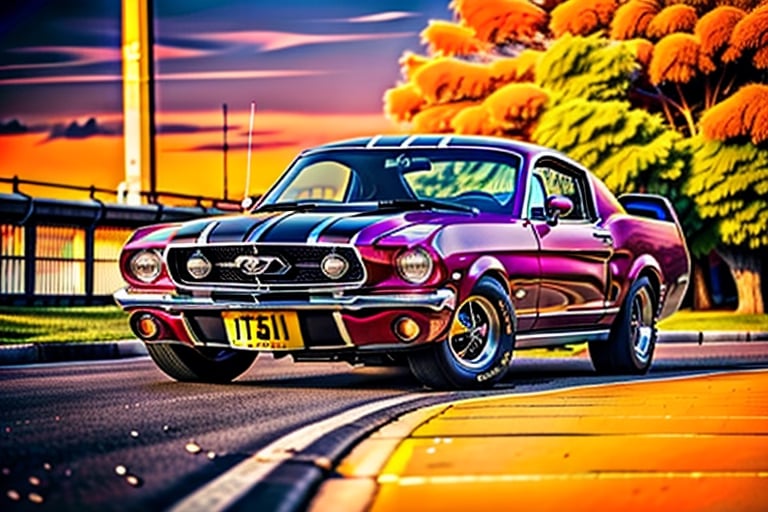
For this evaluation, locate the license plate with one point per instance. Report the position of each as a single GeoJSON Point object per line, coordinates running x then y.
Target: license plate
{"type": "Point", "coordinates": [267, 330]}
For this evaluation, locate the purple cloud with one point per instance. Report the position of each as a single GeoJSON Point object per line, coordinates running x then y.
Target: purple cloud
{"type": "Point", "coordinates": [74, 130]}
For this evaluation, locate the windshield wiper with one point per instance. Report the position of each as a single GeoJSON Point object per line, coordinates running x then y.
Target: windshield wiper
{"type": "Point", "coordinates": [289, 205]}
{"type": "Point", "coordinates": [426, 204]}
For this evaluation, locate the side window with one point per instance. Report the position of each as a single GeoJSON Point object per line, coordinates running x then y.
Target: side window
{"type": "Point", "coordinates": [562, 183]}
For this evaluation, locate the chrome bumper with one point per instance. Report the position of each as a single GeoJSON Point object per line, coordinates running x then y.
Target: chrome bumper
{"type": "Point", "coordinates": [439, 300]}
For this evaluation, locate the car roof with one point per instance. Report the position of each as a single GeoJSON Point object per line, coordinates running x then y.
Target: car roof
{"type": "Point", "coordinates": [421, 141]}
{"type": "Point", "coordinates": [431, 141]}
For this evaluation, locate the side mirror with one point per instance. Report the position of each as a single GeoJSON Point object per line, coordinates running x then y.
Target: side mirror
{"type": "Point", "coordinates": [557, 206]}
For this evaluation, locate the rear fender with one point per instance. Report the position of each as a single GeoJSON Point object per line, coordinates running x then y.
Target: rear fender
{"type": "Point", "coordinates": [643, 265]}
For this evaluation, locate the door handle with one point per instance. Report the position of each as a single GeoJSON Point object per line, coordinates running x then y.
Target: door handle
{"type": "Point", "coordinates": [605, 236]}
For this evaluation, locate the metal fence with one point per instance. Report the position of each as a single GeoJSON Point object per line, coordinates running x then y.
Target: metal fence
{"type": "Point", "coordinates": [56, 251]}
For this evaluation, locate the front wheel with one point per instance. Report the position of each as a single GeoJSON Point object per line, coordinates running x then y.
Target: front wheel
{"type": "Point", "coordinates": [479, 346]}
{"type": "Point", "coordinates": [632, 340]}
{"type": "Point", "coordinates": [188, 364]}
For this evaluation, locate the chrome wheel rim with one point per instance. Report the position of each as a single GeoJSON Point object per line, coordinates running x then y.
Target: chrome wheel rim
{"type": "Point", "coordinates": [474, 336]}
{"type": "Point", "coordinates": [641, 325]}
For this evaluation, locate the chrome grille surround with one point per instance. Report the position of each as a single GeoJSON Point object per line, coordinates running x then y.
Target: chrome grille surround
{"type": "Point", "coordinates": [297, 268]}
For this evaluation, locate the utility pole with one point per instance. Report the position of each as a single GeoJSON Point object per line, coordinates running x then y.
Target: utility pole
{"type": "Point", "coordinates": [138, 98]}
{"type": "Point", "coordinates": [225, 149]}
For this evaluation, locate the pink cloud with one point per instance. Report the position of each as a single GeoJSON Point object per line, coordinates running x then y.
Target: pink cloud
{"type": "Point", "coordinates": [379, 17]}
{"type": "Point", "coordinates": [196, 75]}
{"type": "Point", "coordinates": [62, 79]}
{"type": "Point", "coordinates": [164, 52]}
{"type": "Point", "coordinates": [75, 55]}
{"type": "Point", "coordinates": [84, 55]}
{"type": "Point", "coordinates": [270, 40]}
{"type": "Point", "coordinates": [238, 74]}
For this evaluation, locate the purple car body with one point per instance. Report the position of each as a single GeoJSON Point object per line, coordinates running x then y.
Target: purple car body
{"type": "Point", "coordinates": [443, 252]}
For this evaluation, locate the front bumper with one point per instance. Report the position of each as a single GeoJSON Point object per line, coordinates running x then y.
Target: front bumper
{"type": "Point", "coordinates": [438, 300]}
{"type": "Point", "coordinates": [356, 320]}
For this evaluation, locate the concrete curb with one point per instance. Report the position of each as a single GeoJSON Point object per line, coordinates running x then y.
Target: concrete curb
{"type": "Point", "coordinates": [53, 352]}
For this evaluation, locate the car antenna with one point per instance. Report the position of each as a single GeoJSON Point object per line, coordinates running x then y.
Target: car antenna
{"type": "Point", "coordinates": [247, 201]}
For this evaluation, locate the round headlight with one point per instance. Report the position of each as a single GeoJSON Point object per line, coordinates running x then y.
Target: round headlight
{"type": "Point", "coordinates": [415, 265]}
{"type": "Point", "coordinates": [146, 266]}
{"type": "Point", "coordinates": [198, 265]}
{"type": "Point", "coordinates": [334, 266]}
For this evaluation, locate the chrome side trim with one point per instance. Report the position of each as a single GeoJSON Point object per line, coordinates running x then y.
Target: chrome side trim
{"type": "Point", "coordinates": [439, 300]}
{"type": "Point", "coordinates": [554, 339]}
{"type": "Point", "coordinates": [607, 311]}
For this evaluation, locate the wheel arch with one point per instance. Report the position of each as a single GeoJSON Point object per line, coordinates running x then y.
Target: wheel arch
{"type": "Point", "coordinates": [485, 266]}
{"type": "Point", "coordinates": [647, 266]}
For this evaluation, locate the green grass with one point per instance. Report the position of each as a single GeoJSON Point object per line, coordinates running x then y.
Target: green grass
{"type": "Point", "coordinates": [105, 323]}
{"type": "Point", "coordinates": [687, 320]}
{"type": "Point", "coordinates": [46, 324]}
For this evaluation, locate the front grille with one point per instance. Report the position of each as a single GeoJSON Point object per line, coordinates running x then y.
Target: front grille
{"type": "Point", "coordinates": [290, 266]}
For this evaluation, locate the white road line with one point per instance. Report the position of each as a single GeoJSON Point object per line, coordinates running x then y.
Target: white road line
{"type": "Point", "coordinates": [225, 490]}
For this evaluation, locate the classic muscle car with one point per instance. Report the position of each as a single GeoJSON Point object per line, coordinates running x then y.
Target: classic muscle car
{"type": "Point", "coordinates": [445, 253]}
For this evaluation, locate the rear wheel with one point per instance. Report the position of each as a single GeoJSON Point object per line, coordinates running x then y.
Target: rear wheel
{"type": "Point", "coordinates": [188, 364]}
{"type": "Point", "coordinates": [479, 346]}
{"type": "Point", "coordinates": [630, 347]}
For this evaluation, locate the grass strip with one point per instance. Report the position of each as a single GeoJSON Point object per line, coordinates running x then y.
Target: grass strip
{"type": "Point", "coordinates": [687, 320]}
{"type": "Point", "coordinates": [63, 324]}
{"type": "Point", "coordinates": [106, 323]}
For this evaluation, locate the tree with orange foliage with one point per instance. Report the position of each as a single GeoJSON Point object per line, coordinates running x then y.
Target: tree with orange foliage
{"type": "Point", "coordinates": [632, 88]}
{"type": "Point", "coordinates": [449, 39]}
{"type": "Point", "coordinates": [582, 17]}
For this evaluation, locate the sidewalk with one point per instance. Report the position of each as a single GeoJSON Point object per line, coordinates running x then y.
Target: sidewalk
{"type": "Point", "coordinates": [694, 443]}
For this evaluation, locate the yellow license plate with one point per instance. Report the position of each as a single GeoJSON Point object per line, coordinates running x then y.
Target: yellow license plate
{"type": "Point", "coordinates": [263, 330]}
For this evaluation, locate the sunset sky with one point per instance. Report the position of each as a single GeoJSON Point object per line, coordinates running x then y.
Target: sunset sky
{"type": "Point", "coordinates": [316, 69]}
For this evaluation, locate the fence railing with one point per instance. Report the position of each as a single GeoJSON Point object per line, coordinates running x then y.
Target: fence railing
{"type": "Point", "coordinates": [116, 196]}
{"type": "Point", "coordinates": [55, 251]}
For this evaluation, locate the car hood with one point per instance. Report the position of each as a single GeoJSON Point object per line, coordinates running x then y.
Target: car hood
{"type": "Point", "coordinates": [339, 227]}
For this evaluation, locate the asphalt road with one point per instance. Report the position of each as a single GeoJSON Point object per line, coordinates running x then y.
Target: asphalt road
{"type": "Point", "coordinates": [120, 436]}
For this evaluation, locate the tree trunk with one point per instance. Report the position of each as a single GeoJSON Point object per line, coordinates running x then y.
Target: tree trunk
{"type": "Point", "coordinates": [701, 300]}
{"type": "Point", "coordinates": [745, 268]}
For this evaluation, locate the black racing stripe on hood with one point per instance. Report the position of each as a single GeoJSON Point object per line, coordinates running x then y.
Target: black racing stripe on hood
{"type": "Point", "coordinates": [347, 227]}
{"type": "Point", "coordinates": [294, 228]}
{"type": "Point", "coordinates": [188, 233]}
{"type": "Point", "coordinates": [235, 229]}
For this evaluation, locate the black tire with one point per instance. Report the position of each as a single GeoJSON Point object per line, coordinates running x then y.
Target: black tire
{"type": "Point", "coordinates": [473, 356]}
{"type": "Point", "coordinates": [188, 364]}
{"type": "Point", "coordinates": [629, 349]}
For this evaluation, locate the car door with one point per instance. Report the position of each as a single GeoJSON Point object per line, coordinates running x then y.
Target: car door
{"type": "Point", "coordinates": [573, 250]}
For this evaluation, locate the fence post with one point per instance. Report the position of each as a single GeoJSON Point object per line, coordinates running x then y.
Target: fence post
{"type": "Point", "coordinates": [89, 262]}
{"type": "Point", "coordinates": [30, 259]}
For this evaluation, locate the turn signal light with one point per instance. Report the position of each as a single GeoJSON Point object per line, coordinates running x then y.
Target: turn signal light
{"type": "Point", "coordinates": [406, 329]}
{"type": "Point", "coordinates": [147, 327]}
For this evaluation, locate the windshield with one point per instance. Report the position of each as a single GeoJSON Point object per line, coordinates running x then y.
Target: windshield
{"type": "Point", "coordinates": [480, 179]}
